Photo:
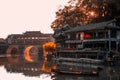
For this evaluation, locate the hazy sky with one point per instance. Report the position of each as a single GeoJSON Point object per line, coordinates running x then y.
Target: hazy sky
{"type": "Point", "coordinates": [18, 16]}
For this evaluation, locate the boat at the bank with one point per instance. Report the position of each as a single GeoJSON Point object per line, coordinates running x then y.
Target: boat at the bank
{"type": "Point", "coordinates": [80, 66]}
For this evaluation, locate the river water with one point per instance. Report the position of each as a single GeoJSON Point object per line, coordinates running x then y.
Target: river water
{"type": "Point", "coordinates": [17, 68]}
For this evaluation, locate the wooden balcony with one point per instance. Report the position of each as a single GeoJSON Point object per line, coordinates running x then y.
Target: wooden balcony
{"type": "Point", "coordinates": [102, 39]}
{"type": "Point", "coordinates": [90, 40]}
{"type": "Point", "coordinates": [73, 41]}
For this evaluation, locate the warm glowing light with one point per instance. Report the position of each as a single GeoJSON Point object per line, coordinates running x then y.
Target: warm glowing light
{"type": "Point", "coordinates": [49, 47]}
{"type": "Point", "coordinates": [85, 35]}
{"type": "Point", "coordinates": [47, 67]}
{"type": "Point", "coordinates": [92, 13]}
{"type": "Point", "coordinates": [26, 54]}
{"type": "Point", "coordinates": [30, 54]}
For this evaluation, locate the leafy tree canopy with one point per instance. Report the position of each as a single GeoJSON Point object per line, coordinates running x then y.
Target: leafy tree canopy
{"type": "Point", "coordinates": [82, 12]}
{"type": "Point", "coordinates": [49, 47]}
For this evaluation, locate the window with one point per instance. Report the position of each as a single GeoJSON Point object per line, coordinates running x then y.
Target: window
{"type": "Point", "coordinates": [113, 45]}
{"type": "Point", "coordinates": [33, 38]}
{"type": "Point", "coordinates": [113, 34]}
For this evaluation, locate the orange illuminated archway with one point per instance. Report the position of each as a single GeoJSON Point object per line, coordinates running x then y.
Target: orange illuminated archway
{"type": "Point", "coordinates": [31, 54]}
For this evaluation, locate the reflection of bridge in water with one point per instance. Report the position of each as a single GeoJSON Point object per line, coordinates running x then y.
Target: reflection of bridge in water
{"type": "Point", "coordinates": [37, 69]}
{"type": "Point", "coordinates": [28, 68]}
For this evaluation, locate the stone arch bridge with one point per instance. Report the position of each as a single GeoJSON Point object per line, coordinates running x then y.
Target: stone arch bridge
{"type": "Point", "coordinates": [19, 49]}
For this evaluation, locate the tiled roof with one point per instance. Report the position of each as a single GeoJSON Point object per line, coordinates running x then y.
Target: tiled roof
{"type": "Point", "coordinates": [94, 26]}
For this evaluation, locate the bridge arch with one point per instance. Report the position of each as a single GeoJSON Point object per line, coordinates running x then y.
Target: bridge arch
{"type": "Point", "coordinates": [31, 53]}
{"type": "Point", "coordinates": [13, 54]}
{"type": "Point", "coordinates": [12, 50]}
{"type": "Point", "coordinates": [35, 52]}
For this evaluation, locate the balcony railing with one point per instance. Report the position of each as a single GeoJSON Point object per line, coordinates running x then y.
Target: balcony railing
{"type": "Point", "coordinates": [73, 41]}
{"type": "Point", "coordinates": [89, 39]}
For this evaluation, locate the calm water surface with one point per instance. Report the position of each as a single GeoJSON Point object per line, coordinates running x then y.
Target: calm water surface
{"type": "Point", "coordinates": [17, 68]}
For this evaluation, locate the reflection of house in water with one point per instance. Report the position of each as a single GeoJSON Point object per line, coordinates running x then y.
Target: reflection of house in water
{"type": "Point", "coordinates": [83, 77]}
{"type": "Point", "coordinates": [30, 69]}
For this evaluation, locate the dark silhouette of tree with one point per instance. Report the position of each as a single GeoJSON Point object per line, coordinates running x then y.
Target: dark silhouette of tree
{"type": "Point", "coordinates": [82, 12]}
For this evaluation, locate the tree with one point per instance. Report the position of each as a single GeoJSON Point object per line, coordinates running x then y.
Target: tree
{"type": "Point", "coordinates": [82, 12]}
{"type": "Point", "coordinates": [49, 47]}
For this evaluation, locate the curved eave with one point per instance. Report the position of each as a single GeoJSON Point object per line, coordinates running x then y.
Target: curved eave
{"type": "Point", "coordinates": [94, 26]}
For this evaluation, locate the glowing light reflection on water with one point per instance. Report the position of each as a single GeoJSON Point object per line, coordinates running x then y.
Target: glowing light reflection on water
{"type": "Point", "coordinates": [24, 70]}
